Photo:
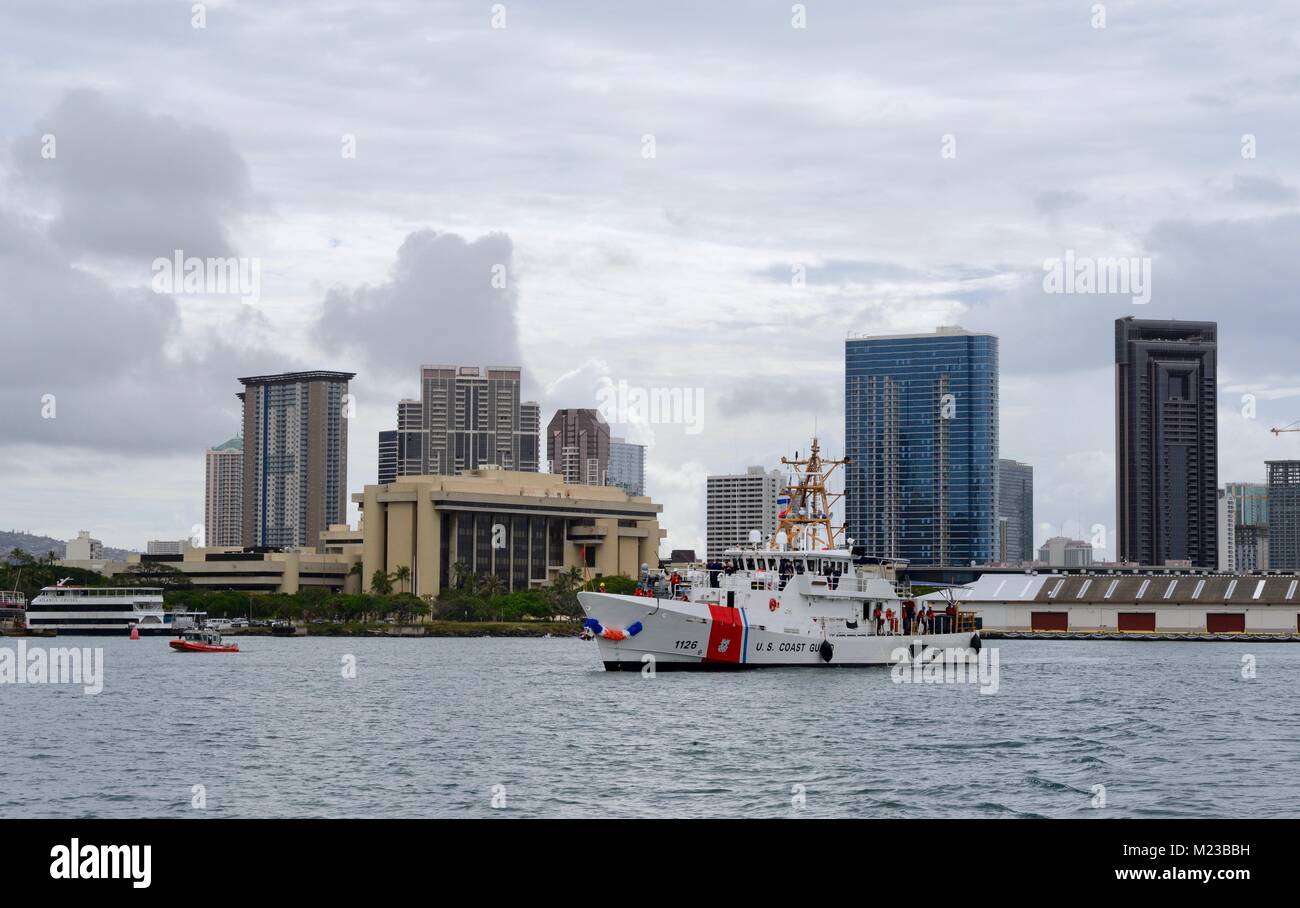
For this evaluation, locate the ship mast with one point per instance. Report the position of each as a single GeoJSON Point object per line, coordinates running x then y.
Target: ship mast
{"type": "Point", "coordinates": [805, 520]}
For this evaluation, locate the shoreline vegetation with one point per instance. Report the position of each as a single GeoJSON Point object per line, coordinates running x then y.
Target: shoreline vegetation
{"type": "Point", "coordinates": [433, 628]}
{"type": "Point", "coordinates": [472, 605]}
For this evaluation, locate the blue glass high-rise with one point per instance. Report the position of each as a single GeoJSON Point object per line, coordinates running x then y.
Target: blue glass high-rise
{"type": "Point", "coordinates": [921, 432]}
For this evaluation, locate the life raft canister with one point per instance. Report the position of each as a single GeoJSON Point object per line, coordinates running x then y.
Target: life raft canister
{"type": "Point", "coordinates": [772, 604]}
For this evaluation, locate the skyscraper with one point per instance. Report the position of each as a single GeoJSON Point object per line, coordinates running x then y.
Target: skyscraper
{"type": "Point", "coordinates": [627, 466]}
{"type": "Point", "coordinates": [472, 416]}
{"type": "Point", "coordinates": [1250, 532]}
{"type": "Point", "coordinates": [1226, 515]}
{"type": "Point", "coordinates": [387, 456]}
{"type": "Point", "coordinates": [1252, 502]}
{"type": "Point", "coordinates": [577, 446]}
{"type": "Point", "coordinates": [1166, 443]}
{"type": "Point", "coordinates": [1016, 511]}
{"type": "Point", "coordinates": [401, 451]}
{"type": "Point", "coordinates": [921, 434]}
{"type": "Point", "coordinates": [223, 512]}
{"type": "Point", "coordinates": [295, 456]}
{"type": "Point", "coordinates": [737, 504]}
{"type": "Point", "coordinates": [1283, 514]}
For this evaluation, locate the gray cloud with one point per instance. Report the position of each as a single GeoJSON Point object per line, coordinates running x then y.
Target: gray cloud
{"type": "Point", "coordinates": [131, 184]}
{"type": "Point", "coordinates": [439, 305]}
{"type": "Point", "coordinates": [102, 353]}
{"type": "Point", "coordinates": [1252, 187]}
{"type": "Point", "coordinates": [112, 362]}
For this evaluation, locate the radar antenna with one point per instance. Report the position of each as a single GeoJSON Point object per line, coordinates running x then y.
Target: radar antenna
{"type": "Point", "coordinates": [804, 506]}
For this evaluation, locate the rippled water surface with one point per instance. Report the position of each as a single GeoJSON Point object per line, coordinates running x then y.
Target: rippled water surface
{"type": "Point", "coordinates": [428, 728]}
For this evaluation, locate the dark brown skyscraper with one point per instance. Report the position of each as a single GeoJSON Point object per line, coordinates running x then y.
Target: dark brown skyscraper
{"type": "Point", "coordinates": [577, 445]}
{"type": "Point", "coordinates": [1166, 441]}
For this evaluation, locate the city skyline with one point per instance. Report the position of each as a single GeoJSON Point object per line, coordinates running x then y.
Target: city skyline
{"type": "Point", "coordinates": [671, 271]}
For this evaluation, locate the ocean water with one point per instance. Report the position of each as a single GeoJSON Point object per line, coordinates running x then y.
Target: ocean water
{"type": "Point", "coordinates": [448, 727]}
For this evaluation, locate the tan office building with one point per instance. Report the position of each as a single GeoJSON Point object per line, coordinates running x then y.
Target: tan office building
{"type": "Point", "coordinates": [525, 528]}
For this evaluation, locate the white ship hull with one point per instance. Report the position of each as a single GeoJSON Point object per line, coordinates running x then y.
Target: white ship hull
{"type": "Point", "coordinates": [76, 610]}
{"type": "Point", "coordinates": [676, 635]}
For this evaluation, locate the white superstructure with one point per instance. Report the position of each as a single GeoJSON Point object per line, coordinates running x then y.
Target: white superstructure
{"type": "Point", "coordinates": [99, 610]}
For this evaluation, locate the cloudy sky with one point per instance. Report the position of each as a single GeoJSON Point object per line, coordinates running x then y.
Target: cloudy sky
{"type": "Point", "coordinates": [650, 178]}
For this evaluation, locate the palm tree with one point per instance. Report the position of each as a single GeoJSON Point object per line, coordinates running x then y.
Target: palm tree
{"type": "Point", "coordinates": [403, 576]}
{"type": "Point", "coordinates": [381, 584]}
{"type": "Point", "coordinates": [564, 587]}
{"type": "Point", "coordinates": [460, 574]}
{"type": "Point", "coordinates": [490, 586]}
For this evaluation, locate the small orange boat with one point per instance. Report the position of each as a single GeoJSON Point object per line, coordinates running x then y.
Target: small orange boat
{"type": "Point", "coordinates": [202, 641]}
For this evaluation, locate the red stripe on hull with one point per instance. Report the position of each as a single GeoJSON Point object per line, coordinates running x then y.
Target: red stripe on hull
{"type": "Point", "coordinates": [726, 635]}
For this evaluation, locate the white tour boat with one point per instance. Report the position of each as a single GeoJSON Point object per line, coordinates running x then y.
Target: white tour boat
{"type": "Point", "coordinates": [798, 601]}
{"type": "Point", "coordinates": [99, 610]}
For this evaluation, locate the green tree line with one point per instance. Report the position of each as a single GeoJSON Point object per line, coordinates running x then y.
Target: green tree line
{"type": "Point", "coordinates": [470, 597]}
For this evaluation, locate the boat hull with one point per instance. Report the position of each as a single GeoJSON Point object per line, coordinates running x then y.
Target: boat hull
{"type": "Point", "coordinates": [185, 646]}
{"type": "Point", "coordinates": [691, 636]}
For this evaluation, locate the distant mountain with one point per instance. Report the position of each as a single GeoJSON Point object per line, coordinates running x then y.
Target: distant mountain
{"type": "Point", "coordinates": [39, 545]}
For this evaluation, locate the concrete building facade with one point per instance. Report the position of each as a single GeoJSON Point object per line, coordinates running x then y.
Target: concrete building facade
{"type": "Point", "coordinates": [295, 456]}
{"type": "Point", "coordinates": [1251, 500]}
{"type": "Point", "coordinates": [1227, 525]}
{"type": "Point", "coordinates": [1061, 551]}
{"type": "Point", "coordinates": [1166, 441]}
{"type": "Point", "coordinates": [626, 466]}
{"type": "Point", "coordinates": [1138, 602]}
{"type": "Point", "coordinates": [1015, 512]}
{"type": "Point", "coordinates": [401, 450]}
{"type": "Point", "coordinates": [472, 417]}
{"type": "Point", "coordinates": [223, 507]}
{"type": "Point", "coordinates": [83, 548]}
{"type": "Point", "coordinates": [1283, 514]}
{"type": "Point", "coordinates": [737, 504]}
{"type": "Point", "coordinates": [577, 446]}
{"type": "Point", "coordinates": [523, 527]}
{"type": "Point", "coordinates": [1252, 547]}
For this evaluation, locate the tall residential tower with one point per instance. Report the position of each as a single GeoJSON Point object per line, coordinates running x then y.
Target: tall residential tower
{"type": "Point", "coordinates": [223, 512]}
{"type": "Point", "coordinates": [627, 466]}
{"type": "Point", "coordinates": [1166, 441]}
{"type": "Point", "coordinates": [471, 417]}
{"type": "Point", "coordinates": [1015, 512]}
{"type": "Point", "coordinates": [739, 504]}
{"type": "Point", "coordinates": [295, 457]}
{"type": "Point", "coordinates": [921, 434]}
